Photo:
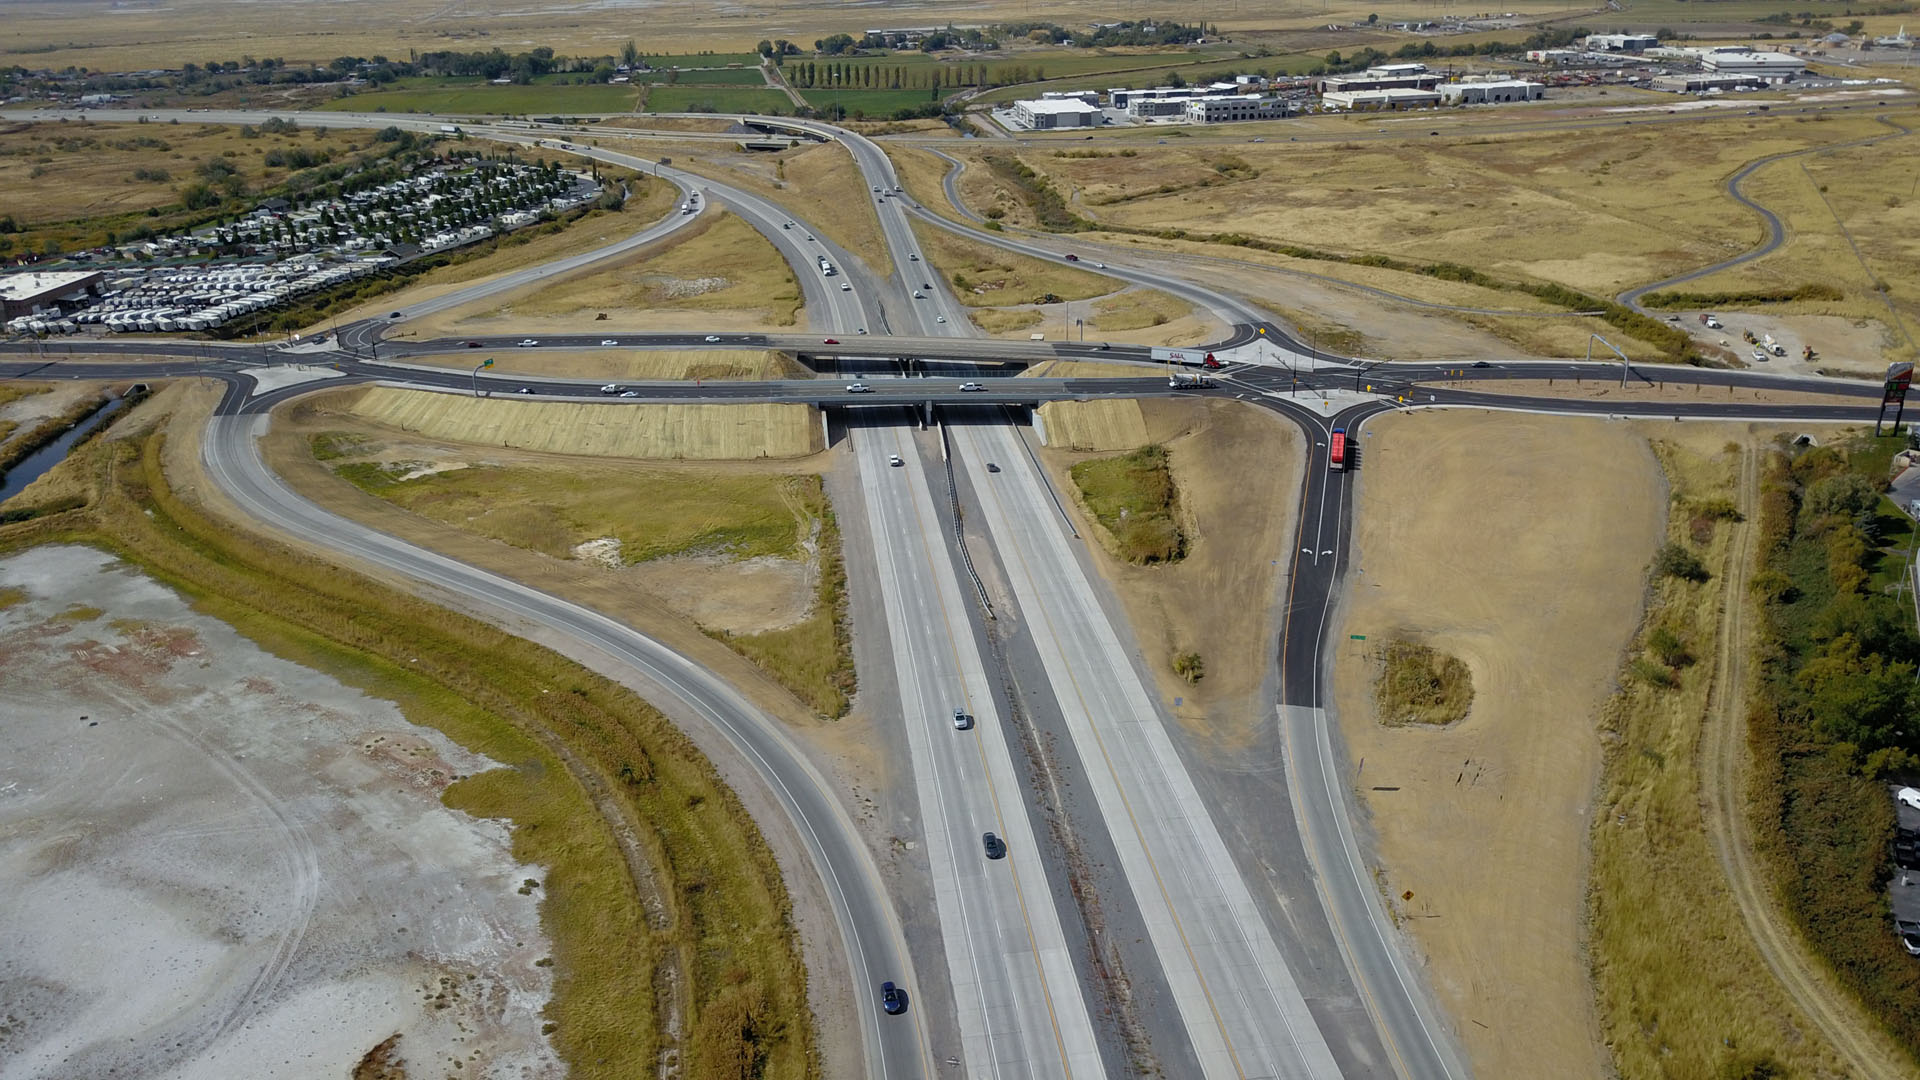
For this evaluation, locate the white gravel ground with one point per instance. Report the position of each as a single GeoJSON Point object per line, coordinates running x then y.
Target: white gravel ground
{"type": "Point", "coordinates": [214, 863]}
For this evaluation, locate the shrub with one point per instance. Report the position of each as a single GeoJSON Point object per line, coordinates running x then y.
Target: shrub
{"type": "Point", "coordinates": [1189, 666]}
{"type": "Point", "coordinates": [1677, 560]}
{"type": "Point", "coordinates": [1668, 647]}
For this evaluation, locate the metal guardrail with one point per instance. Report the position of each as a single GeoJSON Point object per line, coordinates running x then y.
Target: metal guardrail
{"type": "Point", "coordinates": [959, 530]}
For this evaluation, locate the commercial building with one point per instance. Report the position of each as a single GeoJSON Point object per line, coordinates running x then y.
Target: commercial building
{"type": "Point", "coordinates": [1391, 97]}
{"type": "Point", "coordinates": [1091, 97]}
{"type": "Point", "coordinates": [1394, 78]}
{"type": "Point", "coordinates": [1044, 115]}
{"type": "Point", "coordinates": [1700, 82]}
{"type": "Point", "coordinates": [1621, 42]}
{"type": "Point", "coordinates": [1772, 66]}
{"type": "Point", "coordinates": [46, 292]}
{"type": "Point", "coordinates": [1491, 91]}
{"type": "Point", "coordinates": [1229, 109]}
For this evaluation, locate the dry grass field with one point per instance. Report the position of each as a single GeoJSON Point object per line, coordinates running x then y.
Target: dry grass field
{"type": "Point", "coordinates": [1485, 821]}
{"type": "Point", "coordinates": [716, 273]}
{"type": "Point", "coordinates": [1599, 214]}
{"type": "Point", "coordinates": [1094, 426]}
{"type": "Point", "coordinates": [1869, 190]}
{"type": "Point", "coordinates": [688, 432]}
{"type": "Point", "coordinates": [985, 276]}
{"type": "Point", "coordinates": [62, 171]}
{"type": "Point", "coordinates": [818, 181]}
{"type": "Point", "coordinates": [1596, 213]}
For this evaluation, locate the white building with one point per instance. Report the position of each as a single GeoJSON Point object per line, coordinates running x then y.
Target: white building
{"type": "Point", "coordinates": [1491, 91]}
{"type": "Point", "coordinates": [1394, 71]}
{"type": "Point", "coordinates": [1091, 97]}
{"type": "Point", "coordinates": [1229, 109]}
{"type": "Point", "coordinates": [1767, 65]}
{"type": "Point", "coordinates": [1392, 97]}
{"type": "Point", "coordinates": [1044, 115]}
{"type": "Point", "coordinates": [1621, 42]}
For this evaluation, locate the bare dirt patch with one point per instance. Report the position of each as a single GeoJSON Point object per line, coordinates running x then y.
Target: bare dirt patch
{"type": "Point", "coordinates": [221, 863]}
{"type": "Point", "coordinates": [1520, 547]}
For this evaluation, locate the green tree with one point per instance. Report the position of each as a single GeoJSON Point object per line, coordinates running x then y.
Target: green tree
{"type": "Point", "coordinates": [630, 53]}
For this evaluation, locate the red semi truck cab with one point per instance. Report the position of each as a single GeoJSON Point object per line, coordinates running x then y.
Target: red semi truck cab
{"type": "Point", "coordinates": [1337, 450]}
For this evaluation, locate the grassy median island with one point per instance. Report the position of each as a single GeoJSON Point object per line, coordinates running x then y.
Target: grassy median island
{"type": "Point", "coordinates": [752, 557]}
{"type": "Point", "coordinates": [1419, 684]}
{"type": "Point", "coordinates": [1135, 501]}
{"type": "Point", "coordinates": [670, 922]}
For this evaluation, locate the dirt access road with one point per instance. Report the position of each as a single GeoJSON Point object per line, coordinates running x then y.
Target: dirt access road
{"type": "Point", "coordinates": [1724, 761]}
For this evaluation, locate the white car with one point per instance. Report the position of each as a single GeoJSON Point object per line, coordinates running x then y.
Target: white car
{"type": "Point", "coordinates": [859, 388]}
{"type": "Point", "coordinates": [939, 318]}
{"type": "Point", "coordinates": [971, 386]}
{"type": "Point", "coordinates": [528, 344]}
{"type": "Point", "coordinates": [608, 341]}
{"type": "Point", "coordinates": [894, 460]}
{"type": "Point", "coordinates": [1760, 355]}
{"type": "Point", "coordinates": [711, 338]}
{"type": "Point", "coordinates": [918, 295]}
{"type": "Point", "coordinates": [913, 256]}
{"type": "Point", "coordinates": [846, 287]}
{"type": "Point", "coordinates": [630, 393]}
{"type": "Point", "coordinates": [610, 388]}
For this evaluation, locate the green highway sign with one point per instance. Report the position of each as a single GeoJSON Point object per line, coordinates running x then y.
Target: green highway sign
{"type": "Point", "coordinates": [1356, 637]}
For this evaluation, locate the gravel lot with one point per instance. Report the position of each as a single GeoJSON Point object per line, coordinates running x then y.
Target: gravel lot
{"type": "Point", "coordinates": [217, 863]}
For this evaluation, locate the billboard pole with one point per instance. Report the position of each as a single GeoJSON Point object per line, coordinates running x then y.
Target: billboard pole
{"type": "Point", "coordinates": [1894, 393]}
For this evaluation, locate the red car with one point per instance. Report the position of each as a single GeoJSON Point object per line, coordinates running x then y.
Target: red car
{"type": "Point", "coordinates": [1073, 258]}
{"type": "Point", "coordinates": [830, 341]}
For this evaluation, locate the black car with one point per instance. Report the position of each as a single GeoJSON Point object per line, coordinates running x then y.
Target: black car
{"type": "Point", "coordinates": [996, 847]}
{"type": "Point", "coordinates": [1481, 363]}
{"type": "Point", "coordinates": [892, 999]}
{"type": "Point", "coordinates": [395, 315]}
{"type": "Point", "coordinates": [991, 467]}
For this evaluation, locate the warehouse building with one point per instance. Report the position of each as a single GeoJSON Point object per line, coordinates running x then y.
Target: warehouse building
{"type": "Point", "coordinates": [1700, 82]}
{"type": "Point", "coordinates": [1045, 115]}
{"type": "Point", "coordinates": [39, 293]}
{"type": "Point", "coordinates": [1632, 43]}
{"type": "Point", "coordinates": [1772, 66]}
{"type": "Point", "coordinates": [1386, 98]}
{"type": "Point", "coordinates": [1491, 91]}
{"type": "Point", "coordinates": [1381, 79]}
{"type": "Point", "coordinates": [1229, 109]}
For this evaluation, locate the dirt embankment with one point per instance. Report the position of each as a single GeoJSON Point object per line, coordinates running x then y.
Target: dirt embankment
{"type": "Point", "coordinates": [695, 432]}
{"type": "Point", "coordinates": [1519, 546]}
{"type": "Point", "coordinates": [1214, 600]}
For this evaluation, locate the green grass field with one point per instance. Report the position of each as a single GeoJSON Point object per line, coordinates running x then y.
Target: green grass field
{"type": "Point", "coordinates": [701, 60]}
{"type": "Point", "coordinates": [741, 76]}
{"type": "Point", "coordinates": [871, 102]}
{"type": "Point", "coordinates": [679, 99]}
{"type": "Point", "coordinates": [1134, 498]}
{"type": "Point", "coordinates": [500, 100]}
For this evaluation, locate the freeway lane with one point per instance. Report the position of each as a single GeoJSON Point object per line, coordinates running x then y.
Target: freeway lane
{"type": "Point", "coordinates": [1017, 999]}
{"type": "Point", "coordinates": [1234, 991]}
{"type": "Point", "coordinates": [1011, 964]}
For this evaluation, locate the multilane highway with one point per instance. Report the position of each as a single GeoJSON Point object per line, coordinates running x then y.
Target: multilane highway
{"type": "Point", "coordinates": [1257, 1026]}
